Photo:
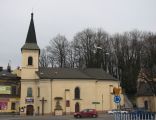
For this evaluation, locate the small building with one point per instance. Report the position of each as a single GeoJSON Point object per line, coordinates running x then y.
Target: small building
{"type": "Point", "coordinates": [145, 96]}
{"type": "Point", "coordinates": [9, 92]}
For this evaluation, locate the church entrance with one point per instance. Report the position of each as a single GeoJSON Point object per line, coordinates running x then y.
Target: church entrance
{"type": "Point", "coordinates": [77, 107]}
{"type": "Point", "coordinates": [30, 110]}
{"type": "Point", "coordinates": [146, 105]}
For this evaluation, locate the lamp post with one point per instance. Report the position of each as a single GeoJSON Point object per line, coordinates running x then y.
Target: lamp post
{"type": "Point", "coordinates": [105, 55]}
{"type": "Point", "coordinates": [98, 57]}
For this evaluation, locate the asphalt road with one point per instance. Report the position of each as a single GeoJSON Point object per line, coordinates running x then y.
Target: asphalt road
{"type": "Point", "coordinates": [68, 117]}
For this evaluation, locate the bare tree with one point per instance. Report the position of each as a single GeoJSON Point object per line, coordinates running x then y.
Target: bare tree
{"type": "Point", "coordinates": [84, 41]}
{"type": "Point", "coordinates": [70, 56]}
{"type": "Point", "coordinates": [149, 50]}
{"type": "Point", "coordinates": [148, 76]}
{"type": "Point", "coordinates": [57, 50]}
{"type": "Point", "coordinates": [103, 49]}
{"type": "Point", "coordinates": [44, 59]}
{"type": "Point", "coordinates": [52, 61]}
{"type": "Point", "coordinates": [127, 49]}
{"type": "Point", "coordinates": [78, 53]}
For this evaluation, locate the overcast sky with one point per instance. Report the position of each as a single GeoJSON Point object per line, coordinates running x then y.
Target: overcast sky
{"type": "Point", "coordinates": [68, 17]}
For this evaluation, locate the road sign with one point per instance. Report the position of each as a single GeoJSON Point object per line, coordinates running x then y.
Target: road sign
{"type": "Point", "coordinates": [95, 102]}
{"type": "Point", "coordinates": [116, 91]}
{"type": "Point", "coordinates": [117, 99]}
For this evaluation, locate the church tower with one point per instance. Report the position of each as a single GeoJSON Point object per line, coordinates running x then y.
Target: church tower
{"type": "Point", "coordinates": [30, 54]}
{"type": "Point", "coordinates": [30, 65]}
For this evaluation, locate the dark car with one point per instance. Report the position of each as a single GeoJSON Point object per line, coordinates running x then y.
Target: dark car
{"type": "Point", "coordinates": [142, 114]}
{"type": "Point", "coordinates": [86, 113]}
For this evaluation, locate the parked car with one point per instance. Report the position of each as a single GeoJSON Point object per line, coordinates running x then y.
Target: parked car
{"type": "Point", "coordinates": [112, 111]}
{"type": "Point", "coordinates": [123, 111]}
{"type": "Point", "coordinates": [116, 111]}
{"type": "Point", "coordinates": [142, 114]}
{"type": "Point", "coordinates": [86, 113]}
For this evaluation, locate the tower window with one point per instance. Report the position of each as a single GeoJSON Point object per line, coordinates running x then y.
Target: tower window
{"type": "Point", "coordinates": [77, 93]}
{"type": "Point", "coordinates": [30, 61]}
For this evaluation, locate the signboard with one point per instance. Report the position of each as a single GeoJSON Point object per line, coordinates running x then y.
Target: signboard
{"type": "Point", "coordinates": [3, 105]}
{"type": "Point", "coordinates": [116, 91]}
{"type": "Point", "coordinates": [29, 99]}
{"type": "Point", "coordinates": [117, 99]}
{"type": "Point", "coordinates": [5, 89]}
{"type": "Point", "coordinates": [95, 102]}
{"type": "Point", "coordinates": [4, 99]}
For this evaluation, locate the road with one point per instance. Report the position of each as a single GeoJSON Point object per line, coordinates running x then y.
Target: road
{"type": "Point", "coordinates": [68, 117]}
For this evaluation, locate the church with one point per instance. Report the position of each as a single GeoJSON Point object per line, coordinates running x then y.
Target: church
{"type": "Point", "coordinates": [61, 91]}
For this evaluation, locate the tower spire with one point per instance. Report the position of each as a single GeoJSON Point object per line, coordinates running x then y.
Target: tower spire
{"type": "Point", "coordinates": [31, 36]}
{"type": "Point", "coordinates": [31, 42]}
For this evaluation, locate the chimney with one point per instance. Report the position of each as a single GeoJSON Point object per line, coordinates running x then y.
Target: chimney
{"type": "Point", "coordinates": [1, 68]}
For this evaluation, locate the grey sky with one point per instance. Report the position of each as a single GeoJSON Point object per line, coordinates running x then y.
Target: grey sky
{"type": "Point", "coordinates": [68, 17]}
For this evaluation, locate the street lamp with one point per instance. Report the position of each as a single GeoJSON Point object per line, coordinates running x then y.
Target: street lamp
{"type": "Point", "coordinates": [105, 54]}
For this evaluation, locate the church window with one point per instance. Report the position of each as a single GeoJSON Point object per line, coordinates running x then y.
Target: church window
{"type": "Point", "coordinates": [77, 93]}
{"type": "Point", "coordinates": [38, 91]}
{"type": "Point", "coordinates": [29, 92]}
{"type": "Point", "coordinates": [30, 61]}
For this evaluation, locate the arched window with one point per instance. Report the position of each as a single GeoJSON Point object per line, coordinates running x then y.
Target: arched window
{"type": "Point", "coordinates": [77, 93]}
{"type": "Point", "coordinates": [30, 61]}
{"type": "Point", "coordinates": [29, 92]}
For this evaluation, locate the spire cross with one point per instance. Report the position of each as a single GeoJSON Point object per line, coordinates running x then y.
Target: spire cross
{"type": "Point", "coordinates": [32, 15]}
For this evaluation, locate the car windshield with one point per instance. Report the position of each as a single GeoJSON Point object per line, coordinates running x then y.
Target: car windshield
{"type": "Point", "coordinates": [85, 110]}
{"type": "Point", "coordinates": [90, 110]}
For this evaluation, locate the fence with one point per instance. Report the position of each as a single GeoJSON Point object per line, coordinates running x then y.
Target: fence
{"type": "Point", "coordinates": [134, 116]}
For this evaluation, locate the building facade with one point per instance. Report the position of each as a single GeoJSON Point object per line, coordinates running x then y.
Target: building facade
{"type": "Point", "coordinates": [9, 92]}
{"type": "Point", "coordinates": [61, 90]}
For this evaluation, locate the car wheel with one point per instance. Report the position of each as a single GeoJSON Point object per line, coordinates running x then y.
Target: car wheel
{"type": "Point", "coordinates": [94, 116]}
{"type": "Point", "coordinates": [78, 116]}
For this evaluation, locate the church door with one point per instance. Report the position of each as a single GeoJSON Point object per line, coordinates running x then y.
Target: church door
{"type": "Point", "coordinates": [77, 107]}
{"type": "Point", "coordinates": [30, 110]}
{"type": "Point", "coordinates": [146, 105]}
